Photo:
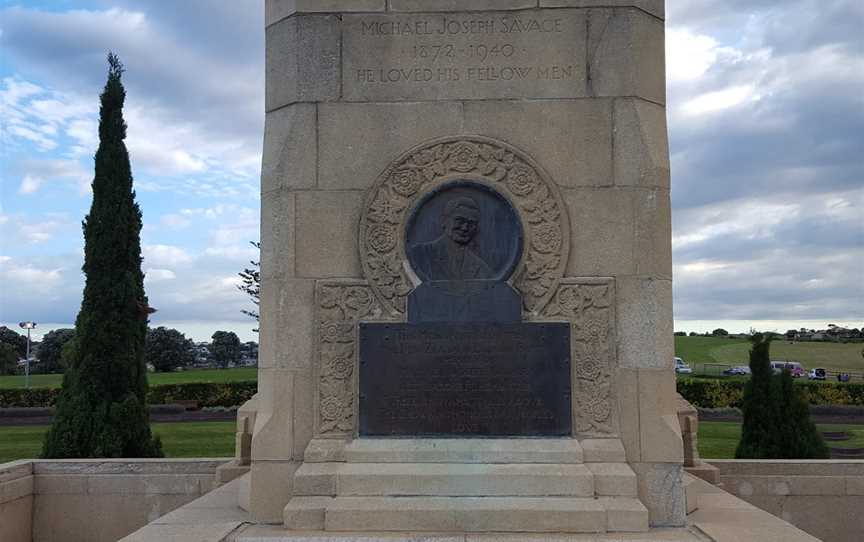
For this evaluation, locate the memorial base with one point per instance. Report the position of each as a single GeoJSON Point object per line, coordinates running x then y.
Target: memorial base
{"type": "Point", "coordinates": [468, 485]}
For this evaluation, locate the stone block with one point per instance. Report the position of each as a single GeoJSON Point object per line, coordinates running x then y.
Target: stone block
{"type": "Point", "coordinates": [490, 55]}
{"type": "Point", "coordinates": [304, 417]}
{"type": "Point", "coordinates": [613, 479]}
{"type": "Point", "coordinates": [607, 450]}
{"type": "Point", "coordinates": [653, 235]}
{"type": "Point", "coordinates": [661, 490]}
{"type": "Point", "coordinates": [302, 60]}
{"type": "Point", "coordinates": [276, 10]}
{"type": "Point", "coordinates": [658, 421]}
{"type": "Point", "coordinates": [465, 514]}
{"type": "Point", "coordinates": [489, 451]}
{"type": "Point", "coordinates": [119, 484]}
{"type": "Point", "coordinates": [324, 450]}
{"type": "Point", "coordinates": [601, 238]}
{"type": "Point", "coordinates": [627, 393]}
{"type": "Point", "coordinates": [354, 158]}
{"type": "Point", "coordinates": [287, 324]}
{"type": "Point", "coordinates": [16, 469]}
{"type": "Point", "coordinates": [215, 530]}
{"type": "Point", "coordinates": [654, 7]}
{"type": "Point", "coordinates": [270, 489]}
{"type": "Point", "coordinates": [641, 144]}
{"type": "Point", "coordinates": [290, 155]}
{"type": "Point", "coordinates": [645, 331]}
{"type": "Point", "coordinates": [626, 55]}
{"type": "Point", "coordinates": [47, 484]}
{"type": "Point", "coordinates": [458, 5]}
{"type": "Point", "coordinates": [326, 232]}
{"type": "Point", "coordinates": [826, 516]}
{"type": "Point", "coordinates": [16, 520]}
{"type": "Point", "coordinates": [316, 479]}
{"type": "Point", "coordinates": [855, 485]}
{"type": "Point", "coordinates": [458, 480]}
{"type": "Point", "coordinates": [274, 428]}
{"type": "Point", "coordinates": [570, 139]}
{"type": "Point", "coordinates": [305, 513]}
{"type": "Point", "coordinates": [625, 515]}
{"type": "Point", "coordinates": [15, 489]}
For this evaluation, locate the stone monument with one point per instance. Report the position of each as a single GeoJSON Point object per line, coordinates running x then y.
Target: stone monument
{"type": "Point", "coordinates": [466, 307]}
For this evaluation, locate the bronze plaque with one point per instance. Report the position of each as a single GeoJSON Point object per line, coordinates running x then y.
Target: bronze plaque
{"type": "Point", "coordinates": [488, 380]}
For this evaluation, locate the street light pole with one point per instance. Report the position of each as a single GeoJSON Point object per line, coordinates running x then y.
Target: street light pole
{"type": "Point", "coordinates": [28, 326]}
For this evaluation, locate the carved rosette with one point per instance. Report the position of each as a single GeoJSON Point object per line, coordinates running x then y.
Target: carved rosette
{"type": "Point", "coordinates": [480, 159]}
{"type": "Point", "coordinates": [341, 305]}
{"type": "Point", "coordinates": [587, 305]}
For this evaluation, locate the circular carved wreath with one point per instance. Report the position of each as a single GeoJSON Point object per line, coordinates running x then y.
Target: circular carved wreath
{"type": "Point", "coordinates": [494, 163]}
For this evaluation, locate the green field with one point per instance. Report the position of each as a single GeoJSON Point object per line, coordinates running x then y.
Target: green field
{"type": "Point", "coordinates": [189, 439]}
{"type": "Point", "coordinates": [718, 440]}
{"type": "Point", "coordinates": [155, 379]}
{"type": "Point", "coordinates": [698, 351]}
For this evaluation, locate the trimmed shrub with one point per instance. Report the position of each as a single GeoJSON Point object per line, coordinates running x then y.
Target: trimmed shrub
{"type": "Point", "coordinates": [719, 393]}
{"type": "Point", "coordinates": [224, 394]}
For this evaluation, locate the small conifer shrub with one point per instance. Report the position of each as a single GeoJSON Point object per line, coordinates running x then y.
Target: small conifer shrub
{"type": "Point", "coordinates": [101, 411]}
{"type": "Point", "coordinates": [777, 422]}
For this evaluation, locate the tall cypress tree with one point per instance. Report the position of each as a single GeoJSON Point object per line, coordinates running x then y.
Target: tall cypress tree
{"type": "Point", "coordinates": [777, 421]}
{"type": "Point", "coordinates": [102, 409]}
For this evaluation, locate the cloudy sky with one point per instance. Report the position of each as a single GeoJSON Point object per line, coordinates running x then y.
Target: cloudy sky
{"type": "Point", "coordinates": [766, 116]}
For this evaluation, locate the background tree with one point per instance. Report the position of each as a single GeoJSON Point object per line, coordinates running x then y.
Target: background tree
{"type": "Point", "coordinates": [225, 348]}
{"type": "Point", "coordinates": [51, 349]}
{"type": "Point", "coordinates": [15, 340]}
{"type": "Point", "coordinates": [8, 359]}
{"type": "Point", "coordinates": [777, 421]}
{"type": "Point", "coordinates": [252, 284]}
{"type": "Point", "coordinates": [102, 411]}
{"type": "Point", "coordinates": [719, 332]}
{"type": "Point", "coordinates": [167, 349]}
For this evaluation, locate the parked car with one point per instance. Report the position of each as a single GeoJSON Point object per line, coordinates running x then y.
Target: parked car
{"type": "Point", "coordinates": [681, 367]}
{"type": "Point", "coordinates": [740, 370]}
{"type": "Point", "coordinates": [816, 374]}
{"type": "Point", "coordinates": [792, 366]}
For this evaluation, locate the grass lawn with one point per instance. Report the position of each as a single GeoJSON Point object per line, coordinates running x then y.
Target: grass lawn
{"type": "Point", "coordinates": [831, 356]}
{"type": "Point", "coordinates": [189, 439]}
{"type": "Point", "coordinates": [718, 440]}
{"type": "Point", "coordinates": [155, 379]}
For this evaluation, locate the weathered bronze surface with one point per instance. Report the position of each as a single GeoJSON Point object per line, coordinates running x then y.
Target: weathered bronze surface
{"type": "Point", "coordinates": [465, 379]}
{"type": "Point", "coordinates": [464, 231]}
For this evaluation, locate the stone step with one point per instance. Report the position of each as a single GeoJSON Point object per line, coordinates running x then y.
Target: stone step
{"type": "Point", "coordinates": [528, 450]}
{"type": "Point", "coordinates": [450, 479]}
{"type": "Point", "coordinates": [467, 514]}
{"type": "Point", "coordinates": [613, 479]}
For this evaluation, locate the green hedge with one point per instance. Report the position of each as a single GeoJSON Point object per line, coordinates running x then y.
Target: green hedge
{"type": "Point", "coordinates": [703, 393]}
{"type": "Point", "coordinates": [715, 393]}
{"type": "Point", "coordinates": [222, 394]}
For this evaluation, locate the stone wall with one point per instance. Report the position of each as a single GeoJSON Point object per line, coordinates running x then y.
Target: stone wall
{"type": "Point", "coordinates": [823, 498]}
{"type": "Point", "coordinates": [573, 87]}
{"type": "Point", "coordinates": [94, 500]}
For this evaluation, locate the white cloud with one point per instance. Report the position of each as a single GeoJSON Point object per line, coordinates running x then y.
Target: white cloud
{"type": "Point", "coordinates": [718, 100]}
{"type": "Point", "coordinates": [164, 256]}
{"type": "Point", "coordinates": [158, 275]}
{"type": "Point", "coordinates": [29, 277]}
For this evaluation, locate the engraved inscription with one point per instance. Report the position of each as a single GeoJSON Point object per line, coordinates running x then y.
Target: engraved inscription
{"type": "Point", "coordinates": [533, 53]}
{"type": "Point", "coordinates": [465, 379]}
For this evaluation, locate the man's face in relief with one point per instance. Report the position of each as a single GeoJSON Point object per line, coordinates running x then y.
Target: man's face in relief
{"type": "Point", "coordinates": [462, 225]}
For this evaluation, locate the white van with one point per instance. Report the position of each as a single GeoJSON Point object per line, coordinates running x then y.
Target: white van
{"type": "Point", "coordinates": [681, 367]}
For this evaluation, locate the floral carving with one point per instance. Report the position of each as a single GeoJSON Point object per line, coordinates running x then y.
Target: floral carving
{"type": "Point", "coordinates": [521, 180]}
{"type": "Point", "coordinates": [341, 305]}
{"type": "Point", "coordinates": [382, 237]}
{"type": "Point", "coordinates": [482, 160]}
{"type": "Point", "coordinates": [547, 238]}
{"type": "Point", "coordinates": [586, 304]}
{"type": "Point", "coordinates": [406, 182]}
{"type": "Point", "coordinates": [464, 157]}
